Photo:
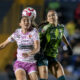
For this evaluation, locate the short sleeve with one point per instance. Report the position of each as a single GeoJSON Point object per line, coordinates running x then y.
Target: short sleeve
{"type": "Point", "coordinates": [44, 29]}
{"type": "Point", "coordinates": [35, 35]}
{"type": "Point", "coordinates": [13, 36]}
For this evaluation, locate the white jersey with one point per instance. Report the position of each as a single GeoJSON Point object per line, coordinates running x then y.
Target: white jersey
{"type": "Point", "coordinates": [25, 43]}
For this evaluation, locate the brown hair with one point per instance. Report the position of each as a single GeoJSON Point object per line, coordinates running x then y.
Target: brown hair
{"type": "Point", "coordinates": [52, 11]}
{"type": "Point", "coordinates": [43, 23]}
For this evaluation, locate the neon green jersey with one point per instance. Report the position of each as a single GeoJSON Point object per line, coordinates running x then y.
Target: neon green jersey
{"type": "Point", "coordinates": [53, 36]}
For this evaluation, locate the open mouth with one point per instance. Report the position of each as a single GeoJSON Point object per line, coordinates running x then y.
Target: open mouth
{"type": "Point", "coordinates": [27, 26]}
{"type": "Point", "coordinates": [52, 19]}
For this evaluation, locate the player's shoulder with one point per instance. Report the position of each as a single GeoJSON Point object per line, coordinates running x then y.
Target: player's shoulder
{"type": "Point", "coordinates": [46, 27]}
{"type": "Point", "coordinates": [18, 30]}
{"type": "Point", "coordinates": [61, 25]}
{"type": "Point", "coordinates": [34, 31]}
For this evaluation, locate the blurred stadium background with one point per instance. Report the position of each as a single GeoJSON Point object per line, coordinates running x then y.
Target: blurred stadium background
{"type": "Point", "coordinates": [69, 15]}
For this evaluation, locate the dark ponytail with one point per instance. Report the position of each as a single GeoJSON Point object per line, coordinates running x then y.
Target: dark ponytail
{"type": "Point", "coordinates": [43, 23]}
{"type": "Point", "coordinates": [34, 24]}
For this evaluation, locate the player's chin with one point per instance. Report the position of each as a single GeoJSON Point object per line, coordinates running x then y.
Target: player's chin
{"type": "Point", "coordinates": [51, 22]}
{"type": "Point", "coordinates": [26, 27]}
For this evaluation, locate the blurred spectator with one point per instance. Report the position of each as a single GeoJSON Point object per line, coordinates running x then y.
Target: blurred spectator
{"type": "Point", "coordinates": [76, 48]}
{"type": "Point", "coordinates": [77, 63]}
{"type": "Point", "coordinates": [77, 12]}
{"type": "Point", "coordinates": [66, 61]}
{"type": "Point", "coordinates": [70, 26]}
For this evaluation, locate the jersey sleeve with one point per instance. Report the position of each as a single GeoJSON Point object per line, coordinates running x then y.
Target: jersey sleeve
{"type": "Point", "coordinates": [42, 33]}
{"type": "Point", "coordinates": [44, 29]}
{"type": "Point", "coordinates": [13, 36]}
{"type": "Point", "coordinates": [35, 35]}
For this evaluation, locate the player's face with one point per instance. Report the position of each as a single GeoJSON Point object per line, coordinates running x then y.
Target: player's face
{"type": "Point", "coordinates": [52, 17]}
{"type": "Point", "coordinates": [25, 22]}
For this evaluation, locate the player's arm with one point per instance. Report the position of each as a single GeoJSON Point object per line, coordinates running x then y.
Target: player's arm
{"type": "Point", "coordinates": [36, 47]}
{"type": "Point", "coordinates": [4, 44]}
{"type": "Point", "coordinates": [67, 44]}
{"type": "Point", "coordinates": [36, 44]}
{"type": "Point", "coordinates": [35, 50]}
{"type": "Point", "coordinates": [7, 41]}
{"type": "Point", "coordinates": [65, 40]}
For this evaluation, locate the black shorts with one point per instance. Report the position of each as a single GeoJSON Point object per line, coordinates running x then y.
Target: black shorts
{"type": "Point", "coordinates": [51, 61]}
{"type": "Point", "coordinates": [42, 62]}
{"type": "Point", "coordinates": [47, 61]}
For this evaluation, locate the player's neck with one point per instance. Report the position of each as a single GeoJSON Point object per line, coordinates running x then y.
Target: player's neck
{"type": "Point", "coordinates": [24, 31]}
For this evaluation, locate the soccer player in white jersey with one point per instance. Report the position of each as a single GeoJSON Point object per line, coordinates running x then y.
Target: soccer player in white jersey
{"type": "Point", "coordinates": [27, 39]}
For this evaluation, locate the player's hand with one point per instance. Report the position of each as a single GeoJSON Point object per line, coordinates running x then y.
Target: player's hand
{"type": "Point", "coordinates": [25, 55]}
{"type": "Point", "coordinates": [1, 46]}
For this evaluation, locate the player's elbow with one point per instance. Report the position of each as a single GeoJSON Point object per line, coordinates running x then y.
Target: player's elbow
{"type": "Point", "coordinates": [38, 49]}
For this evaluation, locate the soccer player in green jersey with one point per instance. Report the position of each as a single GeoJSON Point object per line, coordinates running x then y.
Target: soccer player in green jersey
{"type": "Point", "coordinates": [51, 36]}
